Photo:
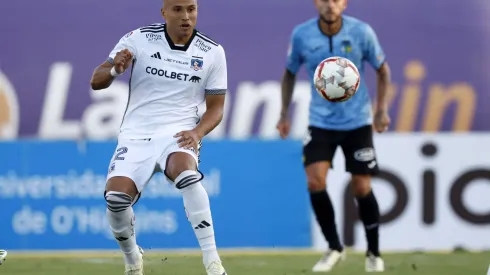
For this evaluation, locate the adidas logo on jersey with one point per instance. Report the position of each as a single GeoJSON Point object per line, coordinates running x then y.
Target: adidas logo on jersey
{"type": "Point", "coordinates": [157, 55]}
{"type": "Point", "coordinates": [203, 224]}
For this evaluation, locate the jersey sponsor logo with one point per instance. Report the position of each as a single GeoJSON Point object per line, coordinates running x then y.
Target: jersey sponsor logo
{"type": "Point", "coordinates": [176, 61]}
{"type": "Point", "coordinates": [167, 74]}
{"type": "Point", "coordinates": [128, 34]}
{"type": "Point", "coordinates": [154, 37]}
{"type": "Point", "coordinates": [195, 79]}
{"type": "Point", "coordinates": [365, 154]}
{"type": "Point", "coordinates": [197, 64]}
{"type": "Point", "coordinates": [203, 46]}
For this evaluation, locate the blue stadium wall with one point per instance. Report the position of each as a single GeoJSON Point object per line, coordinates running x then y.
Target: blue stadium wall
{"type": "Point", "coordinates": [52, 197]}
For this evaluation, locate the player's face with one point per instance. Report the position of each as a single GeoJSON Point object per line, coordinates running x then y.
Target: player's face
{"type": "Point", "coordinates": [330, 10]}
{"type": "Point", "coordinates": [180, 15]}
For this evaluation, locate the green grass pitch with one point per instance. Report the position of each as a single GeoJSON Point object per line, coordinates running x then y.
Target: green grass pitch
{"type": "Point", "coordinates": [240, 263]}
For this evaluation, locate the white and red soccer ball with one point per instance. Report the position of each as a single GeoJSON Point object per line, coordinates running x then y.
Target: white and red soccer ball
{"type": "Point", "coordinates": [336, 79]}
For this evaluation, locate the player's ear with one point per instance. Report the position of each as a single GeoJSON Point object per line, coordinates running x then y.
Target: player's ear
{"type": "Point", "coordinates": [316, 3]}
{"type": "Point", "coordinates": [162, 11]}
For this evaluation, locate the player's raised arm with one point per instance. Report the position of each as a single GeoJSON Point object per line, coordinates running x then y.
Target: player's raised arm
{"type": "Point", "coordinates": [376, 57]}
{"type": "Point", "coordinates": [215, 91]}
{"type": "Point", "coordinates": [116, 64]}
{"type": "Point", "coordinates": [294, 62]}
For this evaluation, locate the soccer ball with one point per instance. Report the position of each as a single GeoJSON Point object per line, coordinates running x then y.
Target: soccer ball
{"type": "Point", "coordinates": [336, 79]}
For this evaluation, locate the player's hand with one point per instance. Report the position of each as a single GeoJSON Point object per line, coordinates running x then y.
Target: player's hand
{"type": "Point", "coordinates": [283, 126]}
{"type": "Point", "coordinates": [381, 121]}
{"type": "Point", "coordinates": [122, 60]}
{"type": "Point", "coordinates": [188, 139]}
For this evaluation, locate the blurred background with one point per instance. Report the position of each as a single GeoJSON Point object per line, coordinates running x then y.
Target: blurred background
{"type": "Point", "coordinates": [58, 135]}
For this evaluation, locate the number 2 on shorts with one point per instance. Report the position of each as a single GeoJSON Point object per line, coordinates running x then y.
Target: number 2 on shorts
{"type": "Point", "coordinates": [121, 151]}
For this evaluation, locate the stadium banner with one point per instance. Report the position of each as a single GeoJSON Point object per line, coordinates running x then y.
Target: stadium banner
{"type": "Point", "coordinates": [48, 95]}
{"type": "Point", "coordinates": [51, 196]}
{"type": "Point", "coordinates": [432, 191]}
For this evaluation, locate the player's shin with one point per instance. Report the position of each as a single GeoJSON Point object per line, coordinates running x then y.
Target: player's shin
{"type": "Point", "coordinates": [325, 215]}
{"type": "Point", "coordinates": [121, 220]}
{"type": "Point", "coordinates": [369, 215]}
{"type": "Point", "coordinates": [196, 203]}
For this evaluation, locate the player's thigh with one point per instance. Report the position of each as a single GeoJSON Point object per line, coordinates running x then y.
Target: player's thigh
{"type": "Point", "coordinates": [176, 160]}
{"type": "Point", "coordinates": [131, 166]}
{"type": "Point", "coordinates": [359, 151]}
{"type": "Point", "coordinates": [318, 152]}
{"type": "Point", "coordinates": [360, 157]}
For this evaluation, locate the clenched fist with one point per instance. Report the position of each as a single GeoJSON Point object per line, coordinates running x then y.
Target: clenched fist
{"type": "Point", "coordinates": [122, 60]}
{"type": "Point", "coordinates": [284, 126]}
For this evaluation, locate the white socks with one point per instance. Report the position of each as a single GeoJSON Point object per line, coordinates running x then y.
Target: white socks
{"type": "Point", "coordinates": [121, 219]}
{"type": "Point", "coordinates": [196, 203]}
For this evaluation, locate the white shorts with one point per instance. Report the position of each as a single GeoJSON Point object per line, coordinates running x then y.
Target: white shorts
{"type": "Point", "coordinates": [139, 159]}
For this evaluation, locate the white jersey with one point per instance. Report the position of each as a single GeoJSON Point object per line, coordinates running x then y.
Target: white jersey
{"type": "Point", "coordinates": [168, 81]}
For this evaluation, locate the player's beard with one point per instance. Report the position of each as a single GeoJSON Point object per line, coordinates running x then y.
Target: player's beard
{"type": "Point", "coordinates": [330, 22]}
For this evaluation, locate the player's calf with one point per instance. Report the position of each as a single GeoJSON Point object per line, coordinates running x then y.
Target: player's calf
{"type": "Point", "coordinates": [121, 220]}
{"type": "Point", "coordinates": [196, 203]}
{"type": "Point", "coordinates": [368, 211]}
{"type": "Point", "coordinates": [322, 205]}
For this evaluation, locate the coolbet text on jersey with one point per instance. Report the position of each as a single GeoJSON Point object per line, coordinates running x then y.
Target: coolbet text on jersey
{"type": "Point", "coordinates": [168, 81]}
{"type": "Point", "coordinates": [357, 42]}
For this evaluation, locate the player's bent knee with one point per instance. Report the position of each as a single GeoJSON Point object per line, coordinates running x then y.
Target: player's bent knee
{"type": "Point", "coordinates": [118, 201]}
{"type": "Point", "coordinates": [316, 174]}
{"type": "Point", "coordinates": [361, 185]}
{"type": "Point", "coordinates": [177, 163]}
{"type": "Point", "coordinates": [123, 185]}
{"type": "Point", "coordinates": [316, 184]}
{"type": "Point", "coordinates": [188, 178]}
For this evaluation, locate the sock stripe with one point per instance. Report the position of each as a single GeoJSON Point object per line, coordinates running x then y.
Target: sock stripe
{"type": "Point", "coordinates": [117, 201]}
{"type": "Point", "coordinates": [117, 209]}
{"type": "Point", "coordinates": [187, 180]}
{"type": "Point", "coordinates": [186, 184]}
{"type": "Point", "coordinates": [113, 202]}
{"type": "Point", "coordinates": [119, 195]}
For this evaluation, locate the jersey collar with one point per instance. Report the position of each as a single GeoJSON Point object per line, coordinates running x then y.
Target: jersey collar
{"type": "Point", "coordinates": [175, 47]}
{"type": "Point", "coordinates": [340, 30]}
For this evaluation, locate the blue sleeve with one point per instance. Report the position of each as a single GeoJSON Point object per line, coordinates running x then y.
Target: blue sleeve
{"type": "Point", "coordinates": [373, 52]}
{"type": "Point", "coordinates": [295, 60]}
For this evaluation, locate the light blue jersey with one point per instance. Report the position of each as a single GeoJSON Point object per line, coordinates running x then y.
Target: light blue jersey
{"type": "Point", "coordinates": [357, 42]}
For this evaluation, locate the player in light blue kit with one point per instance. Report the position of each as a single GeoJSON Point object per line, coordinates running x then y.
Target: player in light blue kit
{"type": "Point", "coordinates": [346, 124]}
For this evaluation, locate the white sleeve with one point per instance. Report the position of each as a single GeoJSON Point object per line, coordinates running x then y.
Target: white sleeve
{"type": "Point", "coordinates": [217, 82]}
{"type": "Point", "coordinates": [126, 42]}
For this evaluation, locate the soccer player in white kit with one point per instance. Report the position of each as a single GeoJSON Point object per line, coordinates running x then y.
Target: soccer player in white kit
{"type": "Point", "coordinates": [3, 256]}
{"type": "Point", "coordinates": [174, 68]}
